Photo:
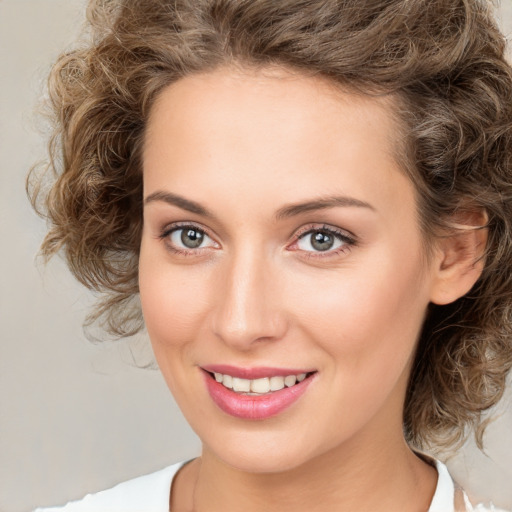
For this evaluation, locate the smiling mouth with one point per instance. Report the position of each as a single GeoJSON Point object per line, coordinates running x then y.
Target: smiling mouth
{"type": "Point", "coordinates": [255, 393]}
{"type": "Point", "coordinates": [260, 386]}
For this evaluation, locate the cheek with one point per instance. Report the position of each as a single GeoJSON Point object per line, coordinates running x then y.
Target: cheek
{"type": "Point", "coordinates": [366, 315]}
{"type": "Point", "coordinates": [174, 308]}
{"type": "Point", "coordinates": [366, 322]}
{"type": "Point", "coordinates": [172, 302]}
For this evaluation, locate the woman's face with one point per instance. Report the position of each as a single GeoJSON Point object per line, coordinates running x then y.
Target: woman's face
{"type": "Point", "coordinates": [280, 239]}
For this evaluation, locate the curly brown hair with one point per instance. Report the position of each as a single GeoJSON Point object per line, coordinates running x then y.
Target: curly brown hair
{"type": "Point", "coordinates": [443, 60]}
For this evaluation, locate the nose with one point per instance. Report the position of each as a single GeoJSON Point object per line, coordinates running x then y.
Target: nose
{"type": "Point", "coordinates": [249, 306]}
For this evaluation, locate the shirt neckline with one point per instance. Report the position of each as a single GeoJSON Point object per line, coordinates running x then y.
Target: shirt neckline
{"type": "Point", "coordinates": [444, 494]}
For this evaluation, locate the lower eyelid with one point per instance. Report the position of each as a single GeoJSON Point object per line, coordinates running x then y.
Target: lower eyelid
{"type": "Point", "coordinates": [327, 255]}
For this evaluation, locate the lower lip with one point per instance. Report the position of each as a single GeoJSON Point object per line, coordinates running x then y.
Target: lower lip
{"type": "Point", "coordinates": [252, 407]}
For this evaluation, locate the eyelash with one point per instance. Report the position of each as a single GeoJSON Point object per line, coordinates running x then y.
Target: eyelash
{"type": "Point", "coordinates": [348, 240]}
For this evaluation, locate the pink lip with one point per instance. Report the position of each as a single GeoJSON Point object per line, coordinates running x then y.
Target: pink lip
{"type": "Point", "coordinates": [253, 407]}
{"type": "Point", "coordinates": [253, 373]}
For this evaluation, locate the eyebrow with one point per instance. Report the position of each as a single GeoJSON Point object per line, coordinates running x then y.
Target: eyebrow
{"type": "Point", "coordinates": [320, 204]}
{"type": "Point", "coordinates": [285, 212]}
{"type": "Point", "coordinates": [180, 202]}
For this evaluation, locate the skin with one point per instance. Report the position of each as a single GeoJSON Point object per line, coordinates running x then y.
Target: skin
{"type": "Point", "coordinates": [244, 145]}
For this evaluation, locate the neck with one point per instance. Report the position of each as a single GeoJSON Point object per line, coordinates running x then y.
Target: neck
{"type": "Point", "coordinates": [375, 477]}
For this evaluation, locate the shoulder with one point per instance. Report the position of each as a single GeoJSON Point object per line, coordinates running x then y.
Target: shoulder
{"type": "Point", "coordinates": [148, 493]}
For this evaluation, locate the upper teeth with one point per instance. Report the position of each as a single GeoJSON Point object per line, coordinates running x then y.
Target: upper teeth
{"type": "Point", "coordinates": [259, 386]}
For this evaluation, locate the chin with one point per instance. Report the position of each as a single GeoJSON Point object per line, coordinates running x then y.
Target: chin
{"type": "Point", "coordinates": [256, 463]}
{"type": "Point", "coordinates": [265, 454]}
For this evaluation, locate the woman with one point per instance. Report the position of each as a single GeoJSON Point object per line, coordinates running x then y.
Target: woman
{"type": "Point", "coordinates": [312, 200]}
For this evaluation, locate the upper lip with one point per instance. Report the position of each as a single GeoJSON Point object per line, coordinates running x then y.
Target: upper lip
{"type": "Point", "coordinates": [257, 372]}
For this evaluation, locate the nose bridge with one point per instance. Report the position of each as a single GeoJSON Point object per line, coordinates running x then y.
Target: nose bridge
{"type": "Point", "coordinates": [248, 307]}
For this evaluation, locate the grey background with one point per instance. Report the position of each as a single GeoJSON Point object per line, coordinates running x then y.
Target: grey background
{"type": "Point", "coordinates": [77, 417]}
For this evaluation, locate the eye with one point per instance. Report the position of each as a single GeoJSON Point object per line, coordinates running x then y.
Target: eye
{"type": "Point", "coordinates": [323, 240]}
{"type": "Point", "coordinates": [190, 238]}
{"type": "Point", "coordinates": [186, 239]}
{"type": "Point", "coordinates": [318, 241]}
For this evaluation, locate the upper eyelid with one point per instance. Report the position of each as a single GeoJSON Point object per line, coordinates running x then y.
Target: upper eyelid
{"type": "Point", "coordinates": [325, 227]}
{"type": "Point", "coordinates": [168, 228]}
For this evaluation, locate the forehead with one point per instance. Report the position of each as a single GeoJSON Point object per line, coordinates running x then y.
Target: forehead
{"type": "Point", "coordinates": [271, 133]}
{"type": "Point", "coordinates": [272, 97]}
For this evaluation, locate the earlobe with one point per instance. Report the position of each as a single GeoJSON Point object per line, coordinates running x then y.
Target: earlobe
{"type": "Point", "coordinates": [459, 258]}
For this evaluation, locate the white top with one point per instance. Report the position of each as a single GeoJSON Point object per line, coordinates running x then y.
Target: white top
{"type": "Point", "coordinates": [150, 493]}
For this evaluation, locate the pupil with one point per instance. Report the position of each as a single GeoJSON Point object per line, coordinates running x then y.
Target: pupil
{"type": "Point", "coordinates": [322, 241]}
{"type": "Point", "coordinates": [191, 238]}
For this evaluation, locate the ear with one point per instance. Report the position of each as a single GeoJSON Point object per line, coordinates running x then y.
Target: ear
{"type": "Point", "coordinates": [459, 257]}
